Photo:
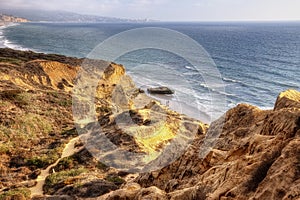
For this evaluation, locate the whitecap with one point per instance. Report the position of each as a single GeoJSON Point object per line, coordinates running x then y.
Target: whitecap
{"type": "Point", "coordinates": [4, 42]}
{"type": "Point", "coordinates": [230, 80]}
{"type": "Point", "coordinates": [265, 107]}
{"type": "Point", "coordinates": [11, 45]}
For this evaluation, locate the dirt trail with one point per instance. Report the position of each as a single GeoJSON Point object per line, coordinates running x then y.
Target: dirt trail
{"type": "Point", "coordinates": [69, 150]}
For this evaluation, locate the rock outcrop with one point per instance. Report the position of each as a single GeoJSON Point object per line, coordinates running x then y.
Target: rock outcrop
{"type": "Point", "coordinates": [288, 99]}
{"type": "Point", "coordinates": [255, 157]}
{"type": "Point", "coordinates": [9, 18]}
{"type": "Point", "coordinates": [248, 153]}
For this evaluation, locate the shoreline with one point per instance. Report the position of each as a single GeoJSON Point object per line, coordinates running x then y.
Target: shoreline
{"type": "Point", "coordinates": [183, 108]}
{"type": "Point", "coordinates": [175, 105]}
{"type": "Point", "coordinates": [8, 24]}
{"type": "Point", "coordinates": [5, 43]}
{"type": "Point", "coordinates": [3, 40]}
{"type": "Point", "coordinates": [249, 135]}
{"type": "Point", "coordinates": [241, 88]}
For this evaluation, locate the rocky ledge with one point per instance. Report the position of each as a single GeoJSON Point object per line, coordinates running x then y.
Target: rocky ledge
{"type": "Point", "coordinates": [255, 156]}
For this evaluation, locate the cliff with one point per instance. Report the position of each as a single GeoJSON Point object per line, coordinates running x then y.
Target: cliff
{"type": "Point", "coordinates": [9, 18]}
{"type": "Point", "coordinates": [256, 155]}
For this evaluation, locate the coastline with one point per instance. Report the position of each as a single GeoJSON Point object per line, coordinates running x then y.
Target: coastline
{"type": "Point", "coordinates": [253, 139]}
{"type": "Point", "coordinates": [4, 25]}
{"type": "Point", "coordinates": [4, 42]}
{"type": "Point", "coordinates": [239, 88]}
{"type": "Point", "coordinates": [7, 24]}
{"type": "Point", "coordinates": [173, 103]}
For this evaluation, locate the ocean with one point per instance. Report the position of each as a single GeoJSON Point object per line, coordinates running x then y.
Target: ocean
{"type": "Point", "coordinates": [256, 61]}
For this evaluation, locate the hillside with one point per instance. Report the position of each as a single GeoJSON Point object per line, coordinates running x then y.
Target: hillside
{"type": "Point", "coordinates": [64, 16]}
{"type": "Point", "coordinates": [9, 18]}
{"type": "Point", "coordinates": [171, 155]}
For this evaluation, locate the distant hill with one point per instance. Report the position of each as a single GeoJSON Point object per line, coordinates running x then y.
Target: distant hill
{"type": "Point", "coordinates": [63, 16]}
{"type": "Point", "coordinates": [9, 18]}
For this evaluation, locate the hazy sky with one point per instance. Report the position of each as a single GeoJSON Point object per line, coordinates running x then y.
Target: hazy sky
{"type": "Point", "coordinates": [172, 10]}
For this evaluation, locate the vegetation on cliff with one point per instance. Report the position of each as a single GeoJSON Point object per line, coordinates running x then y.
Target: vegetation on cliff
{"type": "Point", "coordinates": [255, 157]}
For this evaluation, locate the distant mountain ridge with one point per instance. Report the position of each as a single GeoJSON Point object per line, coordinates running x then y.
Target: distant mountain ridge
{"type": "Point", "coordinates": [64, 16]}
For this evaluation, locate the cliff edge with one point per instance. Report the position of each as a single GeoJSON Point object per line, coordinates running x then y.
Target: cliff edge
{"type": "Point", "coordinates": [255, 156]}
{"type": "Point", "coordinates": [4, 19]}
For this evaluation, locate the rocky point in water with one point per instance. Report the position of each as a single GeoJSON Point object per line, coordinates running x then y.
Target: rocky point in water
{"type": "Point", "coordinates": [256, 156]}
{"type": "Point", "coordinates": [160, 90]}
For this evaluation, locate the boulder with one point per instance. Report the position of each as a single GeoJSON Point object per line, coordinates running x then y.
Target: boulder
{"type": "Point", "coordinates": [160, 90]}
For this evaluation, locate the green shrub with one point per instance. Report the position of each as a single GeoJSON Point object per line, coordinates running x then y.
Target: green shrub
{"type": "Point", "coordinates": [65, 102]}
{"type": "Point", "coordinates": [115, 179]}
{"type": "Point", "coordinates": [24, 98]}
{"type": "Point", "coordinates": [4, 148]}
{"type": "Point", "coordinates": [39, 162]}
{"type": "Point", "coordinates": [15, 193]}
{"type": "Point", "coordinates": [45, 160]}
{"type": "Point", "coordinates": [103, 109]}
{"type": "Point", "coordinates": [64, 164]}
{"type": "Point", "coordinates": [30, 124]}
{"type": "Point", "coordinates": [102, 166]}
{"type": "Point", "coordinates": [59, 177]}
{"type": "Point", "coordinates": [11, 60]}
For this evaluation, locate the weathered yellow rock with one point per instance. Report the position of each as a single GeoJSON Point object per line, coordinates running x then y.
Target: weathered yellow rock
{"type": "Point", "coordinates": [246, 154]}
{"type": "Point", "coordinates": [288, 99]}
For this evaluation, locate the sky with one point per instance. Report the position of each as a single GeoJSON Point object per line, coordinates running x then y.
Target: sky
{"type": "Point", "coordinates": [171, 10]}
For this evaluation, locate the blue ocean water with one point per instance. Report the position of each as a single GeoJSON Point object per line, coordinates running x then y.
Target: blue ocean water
{"type": "Point", "coordinates": [256, 60]}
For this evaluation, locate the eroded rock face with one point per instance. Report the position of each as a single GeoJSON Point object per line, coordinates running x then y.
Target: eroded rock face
{"type": "Point", "coordinates": [35, 124]}
{"type": "Point", "coordinates": [255, 157]}
{"type": "Point", "coordinates": [288, 99]}
{"type": "Point", "coordinates": [129, 119]}
{"type": "Point", "coordinates": [246, 154]}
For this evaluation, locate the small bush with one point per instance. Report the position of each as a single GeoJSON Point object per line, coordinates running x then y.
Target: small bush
{"type": "Point", "coordinates": [102, 166]}
{"type": "Point", "coordinates": [13, 61]}
{"type": "Point", "coordinates": [64, 164]}
{"type": "Point", "coordinates": [5, 104]}
{"type": "Point", "coordinates": [4, 149]}
{"type": "Point", "coordinates": [55, 179]}
{"type": "Point", "coordinates": [53, 94]}
{"type": "Point", "coordinates": [39, 162]}
{"type": "Point", "coordinates": [71, 132]}
{"type": "Point", "coordinates": [23, 98]}
{"type": "Point", "coordinates": [103, 109]}
{"type": "Point", "coordinates": [115, 179]}
{"type": "Point", "coordinates": [18, 193]}
{"type": "Point", "coordinates": [65, 102]}
{"type": "Point", "coordinates": [45, 160]}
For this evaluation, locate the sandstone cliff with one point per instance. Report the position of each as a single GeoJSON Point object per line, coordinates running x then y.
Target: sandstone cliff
{"type": "Point", "coordinates": [9, 18]}
{"type": "Point", "coordinates": [256, 155]}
